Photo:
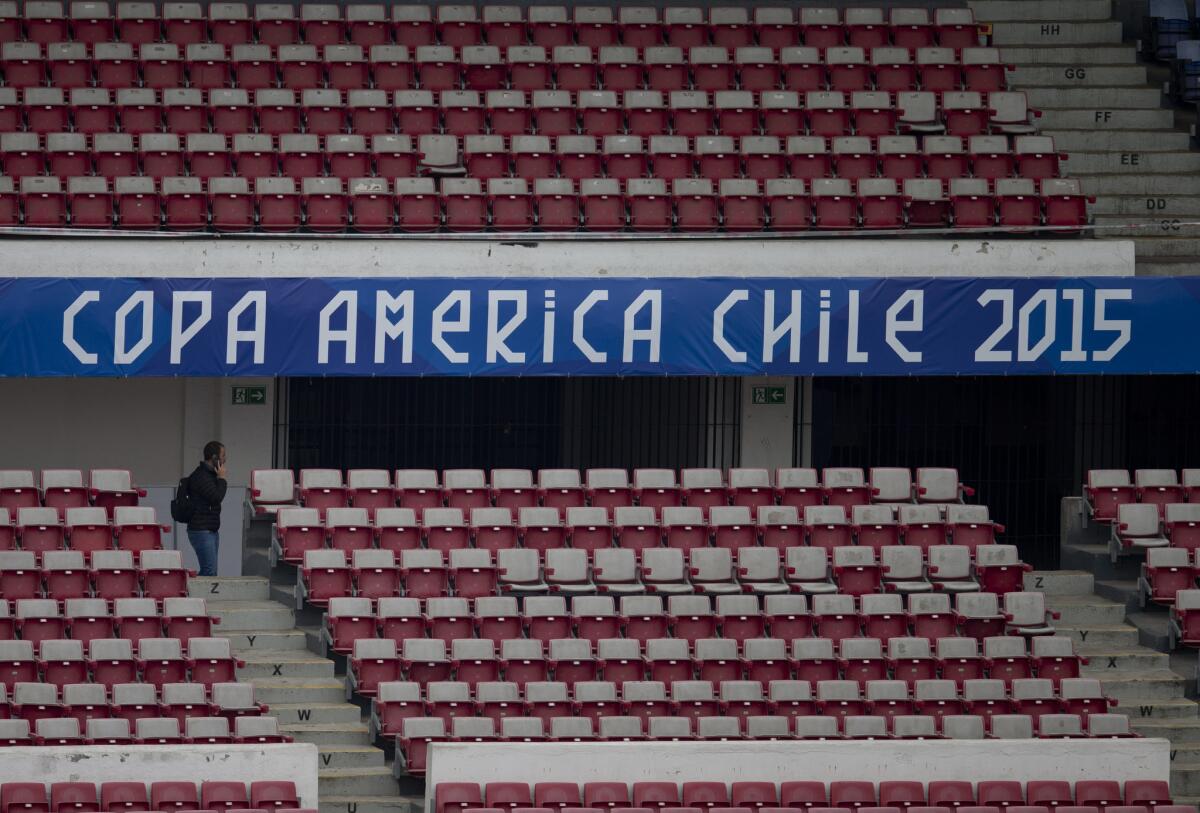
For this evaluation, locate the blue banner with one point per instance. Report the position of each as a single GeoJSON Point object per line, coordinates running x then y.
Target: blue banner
{"type": "Point", "coordinates": [597, 326]}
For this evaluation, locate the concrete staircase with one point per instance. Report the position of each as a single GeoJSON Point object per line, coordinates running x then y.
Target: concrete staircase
{"type": "Point", "coordinates": [304, 693]}
{"type": "Point", "coordinates": [1106, 110]}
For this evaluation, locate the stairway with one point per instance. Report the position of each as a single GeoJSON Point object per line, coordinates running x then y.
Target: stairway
{"type": "Point", "coordinates": [1106, 110]}
{"type": "Point", "coordinates": [304, 693]}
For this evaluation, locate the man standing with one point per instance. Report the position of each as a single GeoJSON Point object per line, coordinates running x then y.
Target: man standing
{"type": "Point", "coordinates": [206, 487]}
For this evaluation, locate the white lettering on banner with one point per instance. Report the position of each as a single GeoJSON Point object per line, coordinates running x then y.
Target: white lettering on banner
{"type": "Point", "coordinates": [1075, 352]}
{"type": "Point", "coordinates": [548, 329]}
{"type": "Point", "coordinates": [718, 335]}
{"type": "Point", "coordinates": [590, 353]}
{"type": "Point", "coordinates": [652, 334]}
{"type": "Point", "coordinates": [823, 328]}
{"type": "Point", "coordinates": [68, 332]}
{"type": "Point", "coordinates": [772, 333]}
{"type": "Point", "coordinates": [460, 325]}
{"type": "Point", "coordinates": [1044, 298]}
{"type": "Point", "coordinates": [347, 335]}
{"type": "Point", "coordinates": [496, 347]}
{"type": "Point", "coordinates": [914, 324]}
{"type": "Point", "coordinates": [1123, 327]}
{"type": "Point", "coordinates": [121, 353]}
{"type": "Point", "coordinates": [181, 335]}
{"type": "Point", "coordinates": [386, 329]}
{"type": "Point", "coordinates": [257, 335]}
{"type": "Point", "coordinates": [987, 351]}
{"type": "Point", "coordinates": [853, 354]}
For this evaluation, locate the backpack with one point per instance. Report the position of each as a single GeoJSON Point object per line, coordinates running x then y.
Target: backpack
{"type": "Point", "coordinates": [182, 507]}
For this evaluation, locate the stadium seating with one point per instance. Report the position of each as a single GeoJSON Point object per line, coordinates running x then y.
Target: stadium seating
{"type": "Point", "coordinates": [214, 794]}
{"type": "Point", "coordinates": [291, 127]}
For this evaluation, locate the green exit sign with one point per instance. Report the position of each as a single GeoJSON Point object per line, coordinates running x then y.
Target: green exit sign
{"type": "Point", "coordinates": [249, 395]}
{"type": "Point", "coordinates": [769, 395]}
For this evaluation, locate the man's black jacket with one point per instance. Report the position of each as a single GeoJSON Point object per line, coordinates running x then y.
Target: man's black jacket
{"type": "Point", "coordinates": [207, 492]}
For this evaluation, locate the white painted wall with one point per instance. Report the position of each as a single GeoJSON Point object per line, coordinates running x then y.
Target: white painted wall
{"type": "Point", "coordinates": [156, 427]}
{"type": "Point", "coordinates": [295, 762]}
{"type": "Point", "coordinates": [768, 429]}
{"type": "Point", "coordinates": [399, 255]}
{"type": "Point", "coordinates": [767, 761]}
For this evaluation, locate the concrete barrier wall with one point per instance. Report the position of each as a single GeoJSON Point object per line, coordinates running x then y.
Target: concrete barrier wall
{"type": "Point", "coordinates": [971, 760]}
{"type": "Point", "coordinates": [192, 763]}
{"type": "Point", "coordinates": [292, 257]}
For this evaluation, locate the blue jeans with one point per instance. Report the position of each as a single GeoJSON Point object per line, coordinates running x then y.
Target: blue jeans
{"type": "Point", "coordinates": [205, 544]}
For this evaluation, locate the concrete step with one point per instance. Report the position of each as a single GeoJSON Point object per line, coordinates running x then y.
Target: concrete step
{"type": "Point", "coordinates": [1106, 117]}
{"type": "Point", "coordinates": [1005, 10]}
{"type": "Point", "coordinates": [1185, 752]}
{"type": "Point", "coordinates": [299, 690]}
{"type": "Point", "coordinates": [1168, 266]}
{"type": "Point", "coordinates": [1086, 611]}
{"type": "Point", "coordinates": [1089, 32]}
{"type": "Point", "coordinates": [258, 563]}
{"type": "Point", "coordinates": [1168, 246]}
{"type": "Point", "coordinates": [1123, 591]}
{"type": "Point", "coordinates": [335, 735]}
{"type": "Point", "coordinates": [1177, 730]}
{"type": "Point", "coordinates": [1129, 227]}
{"type": "Point", "coordinates": [1161, 684]}
{"type": "Point", "coordinates": [332, 757]}
{"type": "Point", "coordinates": [1174, 709]}
{"type": "Point", "coordinates": [1156, 206]}
{"type": "Point", "coordinates": [1111, 635]}
{"type": "Point", "coordinates": [229, 588]}
{"type": "Point", "coordinates": [1047, 98]}
{"type": "Point", "coordinates": [1151, 625]}
{"type": "Point", "coordinates": [1094, 559]}
{"type": "Point", "coordinates": [315, 713]}
{"type": "Point", "coordinates": [1146, 140]}
{"type": "Point", "coordinates": [366, 804]}
{"type": "Point", "coordinates": [368, 781]}
{"type": "Point", "coordinates": [284, 594]}
{"type": "Point", "coordinates": [1073, 55]}
{"type": "Point", "coordinates": [1104, 663]}
{"type": "Point", "coordinates": [1091, 74]}
{"type": "Point", "coordinates": [1060, 582]}
{"type": "Point", "coordinates": [1185, 777]}
{"type": "Point", "coordinates": [1132, 163]}
{"type": "Point", "coordinates": [267, 640]}
{"type": "Point", "coordinates": [1142, 185]}
{"type": "Point", "coordinates": [238, 616]}
{"type": "Point", "coordinates": [301, 664]}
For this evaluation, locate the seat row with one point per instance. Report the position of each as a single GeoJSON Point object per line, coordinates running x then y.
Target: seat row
{"type": "Point", "coordinates": [129, 701]}
{"type": "Point", "coordinates": [271, 489]}
{"type": "Point", "coordinates": [1107, 489]}
{"type": "Point", "coordinates": [89, 529]}
{"type": "Point", "coordinates": [65, 574]}
{"type": "Point", "coordinates": [455, 797]}
{"type": "Point", "coordinates": [299, 530]}
{"type": "Point", "coordinates": [824, 114]}
{"type": "Point", "coordinates": [738, 700]}
{"type": "Point", "coordinates": [568, 661]}
{"type": "Point", "coordinates": [148, 731]}
{"type": "Point", "coordinates": [86, 619]}
{"type": "Point", "coordinates": [417, 733]}
{"type": "Point", "coordinates": [134, 797]}
{"type": "Point", "coordinates": [109, 661]}
{"type": "Point", "coordinates": [65, 488]}
{"type": "Point", "coordinates": [322, 206]}
{"type": "Point", "coordinates": [458, 25]}
{"type": "Point", "coordinates": [642, 618]}
{"type": "Point", "coordinates": [855, 571]}
{"type": "Point", "coordinates": [485, 67]}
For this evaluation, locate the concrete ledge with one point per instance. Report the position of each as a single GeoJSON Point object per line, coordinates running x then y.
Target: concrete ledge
{"type": "Point", "coordinates": [997, 10]}
{"type": "Point", "coordinates": [1052, 32]}
{"type": "Point", "coordinates": [295, 762]}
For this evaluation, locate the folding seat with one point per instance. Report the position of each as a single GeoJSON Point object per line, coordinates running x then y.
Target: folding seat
{"type": "Point", "coordinates": [348, 158]}
{"type": "Point", "coordinates": [65, 574]}
{"type": "Point", "coordinates": [133, 618]}
{"type": "Point", "coordinates": [827, 113]}
{"type": "Point", "coordinates": [277, 200]}
{"type": "Point", "coordinates": [636, 528]}
{"type": "Point", "coordinates": [38, 620]}
{"type": "Point", "coordinates": [692, 115]}
{"type": "Point", "coordinates": [88, 619]}
{"type": "Point", "coordinates": [1106, 489]}
{"type": "Point", "coordinates": [347, 529]}
{"type": "Point", "coordinates": [160, 155]}
{"type": "Point", "coordinates": [1034, 696]}
{"type": "Point", "coordinates": [964, 113]}
{"type": "Point", "coordinates": [375, 661]}
{"type": "Point", "coordinates": [417, 205]}
{"type": "Point", "coordinates": [15, 733]}
{"type": "Point", "coordinates": [394, 702]}
{"type": "Point", "coordinates": [893, 69]}
{"type": "Point", "coordinates": [762, 157]}
{"type": "Point", "coordinates": [999, 568]}
{"type": "Point", "coordinates": [186, 618]}
{"type": "Point", "coordinates": [546, 617]}
{"type": "Point", "coordinates": [474, 661]}
{"type": "Point", "coordinates": [862, 659]}
{"type": "Point", "coordinates": [595, 617]}
{"type": "Point", "coordinates": [298, 531]}
{"type": "Point", "coordinates": [649, 209]}
{"type": "Point", "coordinates": [972, 204]}
{"type": "Point", "coordinates": [400, 618]}
{"type": "Point", "coordinates": [691, 617]}
{"type": "Point", "coordinates": [927, 203]}
{"type": "Point", "coordinates": [1018, 203]}
{"type": "Point", "coordinates": [234, 700]}
{"type": "Point", "coordinates": [840, 699]}
{"type": "Point", "coordinates": [881, 204]}
{"type": "Point", "coordinates": [325, 574]}
{"type": "Point", "coordinates": [578, 157]}
{"type": "Point", "coordinates": [68, 65]}
{"type": "Point", "coordinates": [889, 699]}
{"type": "Point", "coordinates": [520, 572]}
{"type": "Point", "coordinates": [449, 699]}
{"type": "Point", "coordinates": [253, 67]}
{"type": "Point", "coordinates": [787, 616]}
{"type": "Point", "coordinates": [437, 68]}
{"type": "Point", "coordinates": [346, 620]}
{"type": "Point", "coordinates": [20, 577]}
{"type": "Point", "coordinates": [743, 699]}
{"type": "Point", "coordinates": [983, 70]}
{"type": "Point", "coordinates": [33, 702]}
{"type": "Point", "coordinates": [807, 570]}
{"type": "Point", "coordinates": [766, 660]}
{"type": "Point", "coordinates": [1007, 658]}
{"type": "Point", "coordinates": [474, 573]}
{"type": "Point", "coordinates": [1054, 658]}
{"type": "Point", "coordinates": [61, 662]}
{"type": "Point", "coordinates": [185, 206]}
{"type": "Point", "coordinates": [523, 661]}
{"type": "Point", "coordinates": [300, 67]}
{"type": "Point", "coordinates": [45, 206]}
{"type": "Point", "coordinates": [834, 616]}
{"type": "Point", "coordinates": [959, 659]}
{"type": "Point", "coordinates": [903, 570]}
{"type": "Point", "coordinates": [991, 157]}
{"type": "Point", "coordinates": [254, 155]}
{"type": "Point", "coordinates": [159, 660]}
{"type": "Point", "coordinates": [1165, 572]}
{"type": "Point", "coordinates": [571, 660]}
{"type": "Point", "coordinates": [448, 618]}
{"type": "Point", "coordinates": [1036, 158]}
{"type": "Point", "coordinates": [938, 699]}
{"type": "Point", "coordinates": [91, 110]}
{"type": "Point", "coordinates": [600, 113]}
{"type": "Point", "coordinates": [207, 155]}
{"type": "Point", "coordinates": [759, 570]}
{"type": "Point", "coordinates": [210, 661]}
{"type": "Point", "coordinates": [45, 110]}
{"type": "Point", "coordinates": [323, 113]}
{"type": "Point", "coordinates": [1063, 202]}
{"type": "Point", "coordinates": [346, 66]}
{"type": "Point", "coordinates": [883, 616]}
{"type": "Point", "coordinates": [711, 67]}
{"type": "Point", "coordinates": [231, 203]}
{"type": "Point", "coordinates": [834, 204]}
{"type": "Point", "coordinates": [695, 205]}
{"type": "Point", "coordinates": [986, 699]}
{"type": "Point", "coordinates": [874, 526]}
{"type": "Point", "coordinates": [694, 699]}
{"type": "Point", "coordinates": [123, 796]}
{"type": "Point", "coordinates": [970, 526]}
{"type": "Point", "coordinates": [742, 208]}
{"type": "Point", "coordinates": [61, 731]}
{"type": "Point", "coordinates": [847, 68]}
